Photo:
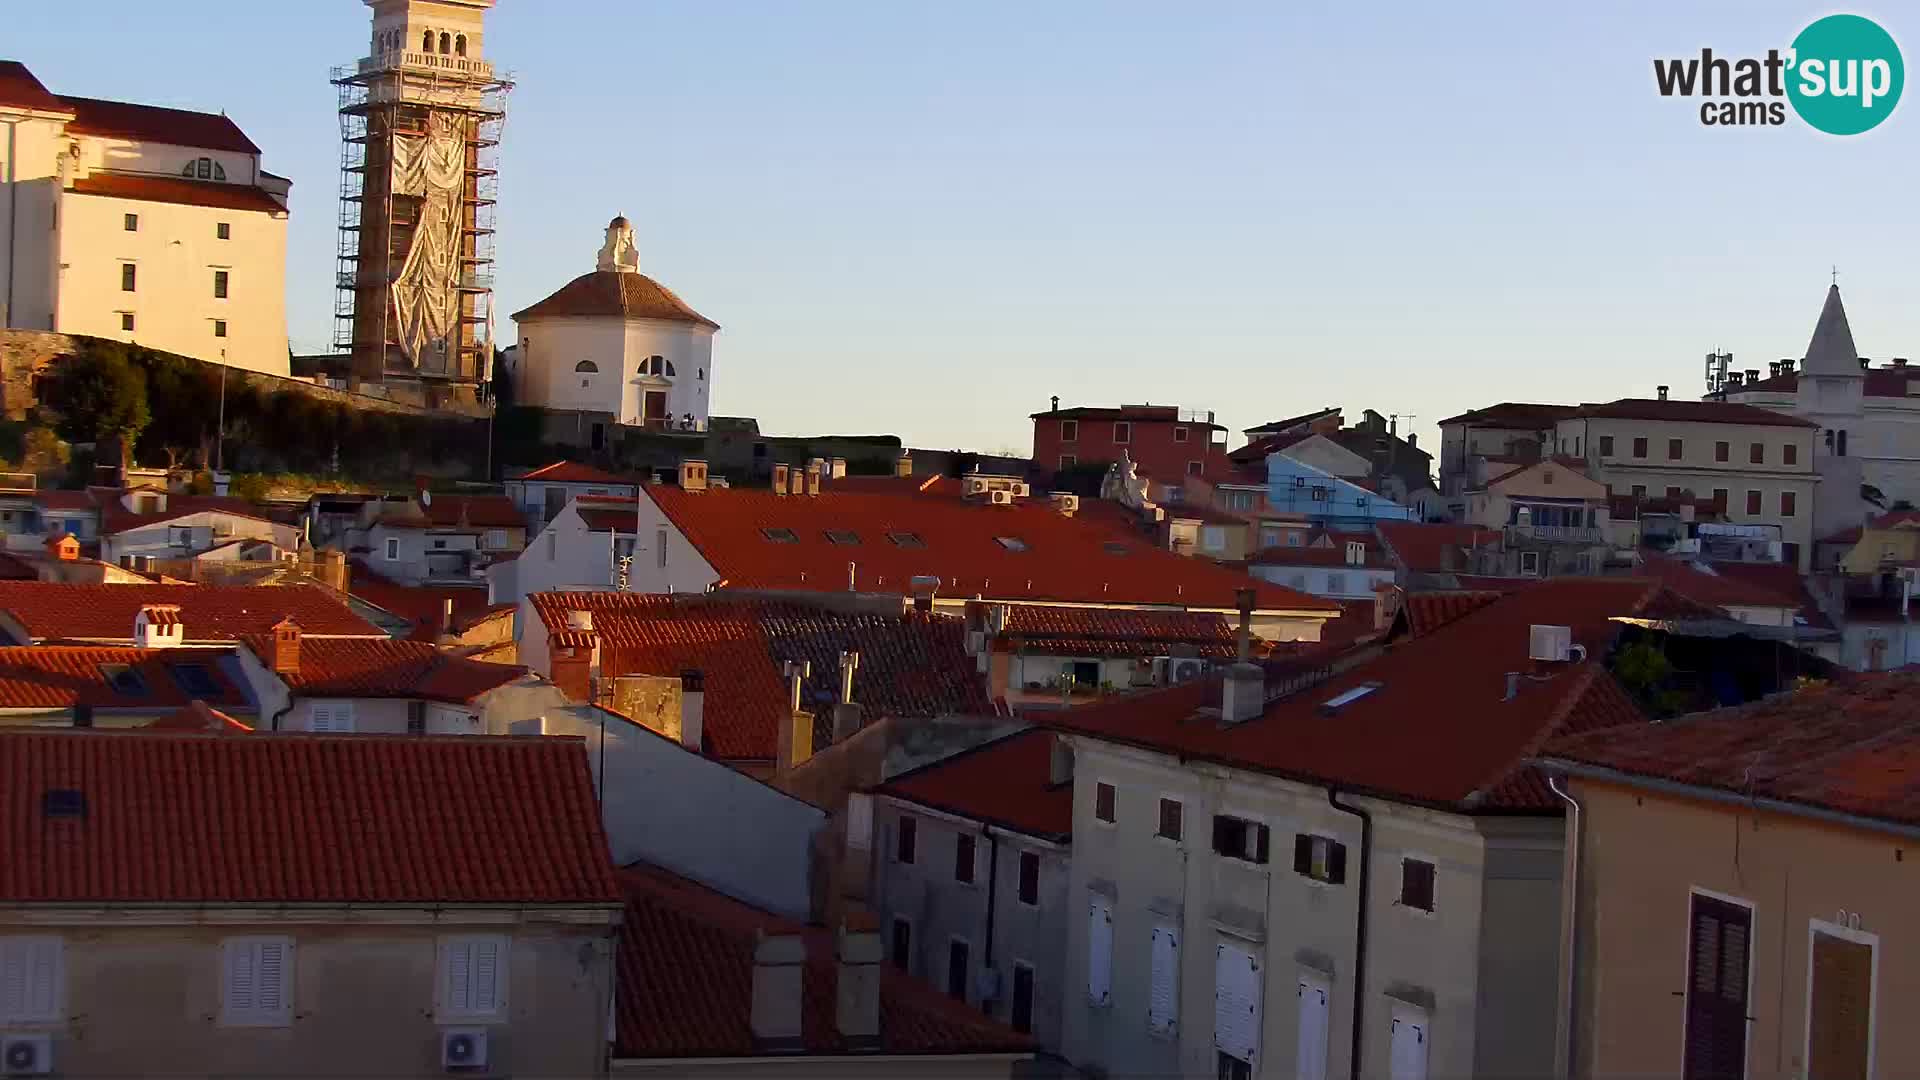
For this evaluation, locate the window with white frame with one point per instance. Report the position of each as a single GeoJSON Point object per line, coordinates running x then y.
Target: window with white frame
{"type": "Point", "coordinates": [256, 981]}
{"type": "Point", "coordinates": [334, 716]}
{"type": "Point", "coordinates": [1213, 538]}
{"type": "Point", "coordinates": [393, 547]}
{"type": "Point", "coordinates": [32, 979]}
{"type": "Point", "coordinates": [496, 539]}
{"type": "Point", "coordinates": [473, 977]}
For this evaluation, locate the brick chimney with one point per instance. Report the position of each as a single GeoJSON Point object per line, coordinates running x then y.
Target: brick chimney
{"type": "Point", "coordinates": [796, 735]}
{"type": "Point", "coordinates": [330, 566]}
{"type": "Point", "coordinates": [796, 481]}
{"type": "Point", "coordinates": [570, 662]}
{"type": "Point", "coordinates": [815, 470]}
{"type": "Point", "coordinates": [158, 626]}
{"type": "Point", "coordinates": [779, 479]}
{"type": "Point", "coordinates": [693, 474]}
{"type": "Point", "coordinates": [837, 469]}
{"type": "Point", "coordinates": [1243, 694]}
{"type": "Point", "coordinates": [779, 963]}
{"type": "Point", "coordinates": [285, 648]}
{"type": "Point", "coordinates": [856, 951]}
{"type": "Point", "coordinates": [693, 708]}
{"type": "Point", "coordinates": [903, 464]}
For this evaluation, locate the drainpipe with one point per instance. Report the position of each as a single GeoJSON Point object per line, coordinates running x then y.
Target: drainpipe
{"type": "Point", "coordinates": [1360, 927]}
{"type": "Point", "coordinates": [1572, 950]}
{"type": "Point", "coordinates": [13, 217]}
{"type": "Point", "coordinates": [993, 888]}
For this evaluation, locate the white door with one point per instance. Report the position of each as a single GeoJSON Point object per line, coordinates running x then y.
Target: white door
{"type": "Point", "coordinates": [1312, 1038]}
{"type": "Point", "coordinates": [1410, 1031]}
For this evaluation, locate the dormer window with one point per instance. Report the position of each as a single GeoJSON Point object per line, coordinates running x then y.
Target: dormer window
{"type": "Point", "coordinates": [204, 169]}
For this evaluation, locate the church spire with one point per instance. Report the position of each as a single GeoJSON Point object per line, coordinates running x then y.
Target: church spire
{"type": "Point", "coordinates": [1831, 351]}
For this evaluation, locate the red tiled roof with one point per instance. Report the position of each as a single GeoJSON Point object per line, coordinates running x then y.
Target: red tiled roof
{"type": "Point", "coordinates": [19, 89]}
{"type": "Point", "coordinates": [1258, 449]}
{"type": "Point", "coordinates": [1007, 782]}
{"type": "Point", "coordinates": [1692, 412]}
{"type": "Point", "coordinates": [1066, 559]}
{"type": "Point", "coordinates": [1151, 414]}
{"type": "Point", "coordinates": [1781, 579]}
{"type": "Point", "coordinates": [685, 983]}
{"type": "Point", "coordinates": [1205, 514]}
{"type": "Point", "coordinates": [383, 667]}
{"type": "Point", "coordinates": [57, 499]}
{"type": "Point", "coordinates": [196, 818]}
{"type": "Point", "coordinates": [211, 612]}
{"type": "Point", "coordinates": [422, 605]}
{"type": "Point", "coordinates": [152, 123]}
{"type": "Point", "coordinates": [116, 518]}
{"type": "Point", "coordinates": [573, 472]}
{"type": "Point", "coordinates": [1880, 382]}
{"type": "Point", "coordinates": [1519, 415]}
{"type": "Point", "coordinates": [61, 676]}
{"type": "Point", "coordinates": [1424, 548]}
{"type": "Point", "coordinates": [1852, 747]}
{"type": "Point", "coordinates": [1356, 623]}
{"type": "Point", "coordinates": [1429, 611]}
{"type": "Point", "coordinates": [615, 293]}
{"type": "Point", "coordinates": [458, 512]}
{"type": "Point", "coordinates": [1295, 421]}
{"type": "Point", "coordinates": [1437, 729]}
{"type": "Point", "coordinates": [179, 190]}
{"type": "Point", "coordinates": [1043, 629]}
{"type": "Point", "coordinates": [911, 665]}
{"type": "Point", "coordinates": [1704, 584]}
{"type": "Point", "coordinates": [199, 717]}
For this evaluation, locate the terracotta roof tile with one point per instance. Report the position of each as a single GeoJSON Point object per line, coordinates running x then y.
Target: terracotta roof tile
{"type": "Point", "coordinates": [1429, 611]}
{"type": "Point", "coordinates": [685, 985]}
{"type": "Point", "coordinates": [19, 89]}
{"type": "Point", "coordinates": [152, 123]}
{"type": "Point", "coordinates": [1037, 628]}
{"type": "Point", "coordinates": [198, 818]}
{"type": "Point", "coordinates": [1168, 414]}
{"type": "Point", "coordinates": [616, 293]}
{"type": "Point", "coordinates": [61, 676]}
{"type": "Point", "coordinates": [1781, 579]}
{"type": "Point", "coordinates": [46, 610]}
{"type": "Point", "coordinates": [1518, 415]}
{"type": "Point", "coordinates": [199, 717]}
{"type": "Point", "coordinates": [573, 472]}
{"type": "Point", "coordinates": [1432, 548]}
{"type": "Point", "coordinates": [178, 190]}
{"type": "Point", "coordinates": [382, 667]}
{"type": "Point", "coordinates": [422, 605]}
{"type": "Point", "coordinates": [1706, 584]}
{"type": "Point", "coordinates": [1006, 782]}
{"type": "Point", "coordinates": [115, 518]}
{"type": "Point", "coordinates": [458, 512]}
{"type": "Point", "coordinates": [1692, 412]}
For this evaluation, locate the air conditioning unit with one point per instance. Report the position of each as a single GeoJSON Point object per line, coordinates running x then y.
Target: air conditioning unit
{"type": "Point", "coordinates": [1186, 669]}
{"type": "Point", "coordinates": [1000, 498]}
{"type": "Point", "coordinates": [26, 1054]}
{"type": "Point", "coordinates": [463, 1049]}
{"type": "Point", "coordinates": [1553, 643]}
{"type": "Point", "coordinates": [1022, 490]}
{"type": "Point", "coordinates": [974, 485]}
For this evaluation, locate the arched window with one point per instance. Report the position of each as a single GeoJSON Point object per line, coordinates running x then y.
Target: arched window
{"type": "Point", "coordinates": [669, 369]}
{"type": "Point", "coordinates": [587, 366]}
{"type": "Point", "coordinates": [219, 172]}
{"type": "Point", "coordinates": [460, 45]}
{"type": "Point", "coordinates": [204, 169]}
{"type": "Point", "coordinates": [426, 41]}
{"type": "Point", "coordinates": [446, 42]}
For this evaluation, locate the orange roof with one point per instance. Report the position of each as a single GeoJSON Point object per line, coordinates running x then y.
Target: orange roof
{"type": "Point", "coordinates": [1437, 728]}
{"type": "Point", "coordinates": [1424, 548]}
{"type": "Point", "coordinates": [1692, 412]}
{"type": "Point", "coordinates": [1706, 585]}
{"type": "Point", "coordinates": [459, 512]}
{"type": "Point", "coordinates": [1007, 782]}
{"type": "Point", "coordinates": [151, 123]}
{"type": "Point", "coordinates": [1018, 552]}
{"type": "Point", "coordinates": [911, 665]}
{"type": "Point", "coordinates": [48, 610]}
{"type": "Point", "coordinates": [61, 676]}
{"type": "Point", "coordinates": [616, 293]}
{"type": "Point", "coordinates": [383, 667]}
{"type": "Point", "coordinates": [685, 984]}
{"type": "Point", "coordinates": [199, 717]}
{"type": "Point", "coordinates": [423, 605]}
{"type": "Point", "coordinates": [178, 190]}
{"type": "Point", "coordinates": [116, 518]}
{"type": "Point", "coordinates": [19, 89]}
{"type": "Point", "coordinates": [573, 472]}
{"type": "Point", "coordinates": [1041, 629]}
{"type": "Point", "coordinates": [374, 819]}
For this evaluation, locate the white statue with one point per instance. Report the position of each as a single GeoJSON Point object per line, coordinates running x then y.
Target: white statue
{"type": "Point", "coordinates": [1124, 484]}
{"type": "Point", "coordinates": [619, 253]}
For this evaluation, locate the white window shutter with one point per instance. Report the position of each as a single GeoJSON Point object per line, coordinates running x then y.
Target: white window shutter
{"type": "Point", "coordinates": [1099, 950]}
{"type": "Point", "coordinates": [30, 979]}
{"type": "Point", "coordinates": [1236, 1002]}
{"type": "Point", "coordinates": [460, 976]}
{"type": "Point", "coordinates": [1164, 1001]}
{"type": "Point", "coordinates": [486, 976]}
{"type": "Point", "coordinates": [270, 973]}
{"type": "Point", "coordinates": [241, 995]}
{"type": "Point", "coordinates": [15, 957]}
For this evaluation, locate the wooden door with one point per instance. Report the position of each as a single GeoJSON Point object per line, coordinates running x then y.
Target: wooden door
{"type": "Point", "coordinates": [1841, 1008]}
{"type": "Point", "coordinates": [1719, 951]}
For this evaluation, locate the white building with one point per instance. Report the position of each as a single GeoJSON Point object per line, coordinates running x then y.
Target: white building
{"type": "Point", "coordinates": [142, 224]}
{"type": "Point", "coordinates": [617, 347]}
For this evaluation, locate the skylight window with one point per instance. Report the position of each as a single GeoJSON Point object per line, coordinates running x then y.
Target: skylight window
{"type": "Point", "coordinates": [1012, 543]}
{"type": "Point", "coordinates": [124, 680]}
{"type": "Point", "coordinates": [906, 539]}
{"type": "Point", "coordinates": [1347, 697]}
{"type": "Point", "coordinates": [842, 536]}
{"type": "Point", "coordinates": [1115, 547]}
{"type": "Point", "coordinates": [781, 536]}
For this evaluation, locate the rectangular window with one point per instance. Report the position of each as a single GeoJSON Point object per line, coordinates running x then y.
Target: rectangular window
{"type": "Point", "coordinates": [1336, 584]}
{"type": "Point", "coordinates": [222, 231]}
{"type": "Point", "coordinates": [1021, 1016]}
{"type": "Point", "coordinates": [1194, 468]}
{"type": "Point", "coordinates": [126, 320]}
{"type": "Point", "coordinates": [473, 977]}
{"type": "Point", "coordinates": [1840, 1003]}
{"type": "Point", "coordinates": [1673, 449]}
{"type": "Point", "coordinates": [1069, 430]}
{"type": "Point", "coordinates": [1416, 884]}
{"type": "Point", "coordinates": [1170, 823]}
{"type": "Point", "coordinates": [1640, 448]}
{"type": "Point", "coordinates": [902, 944]}
{"type": "Point", "coordinates": [416, 718]}
{"type": "Point", "coordinates": [219, 328]}
{"type": "Point", "coordinates": [219, 284]}
{"type": "Point", "coordinates": [1786, 504]}
{"type": "Point", "coordinates": [1122, 432]}
{"type": "Point", "coordinates": [1719, 936]}
{"type": "Point", "coordinates": [1530, 563]}
{"type": "Point", "coordinates": [495, 539]}
{"type": "Point", "coordinates": [1321, 858]}
{"type": "Point", "coordinates": [1639, 491]}
{"type": "Point", "coordinates": [1067, 461]}
{"type": "Point", "coordinates": [129, 277]}
{"type": "Point", "coordinates": [393, 547]}
{"type": "Point", "coordinates": [256, 982]}
{"type": "Point", "coordinates": [1213, 538]}
{"type": "Point", "coordinates": [1237, 979]}
{"type": "Point", "coordinates": [331, 716]}
{"type": "Point", "coordinates": [1099, 949]}
{"type": "Point", "coordinates": [1753, 504]}
{"type": "Point", "coordinates": [1673, 492]}
{"type": "Point", "coordinates": [1722, 451]}
{"type": "Point", "coordinates": [1103, 798]}
{"type": "Point", "coordinates": [131, 223]}
{"type": "Point", "coordinates": [909, 835]}
{"type": "Point", "coordinates": [1789, 454]}
{"type": "Point", "coordinates": [1606, 446]}
{"type": "Point", "coordinates": [1757, 454]}
{"type": "Point", "coordinates": [1722, 496]}
{"type": "Point", "coordinates": [32, 980]}
{"type": "Point", "coordinates": [1163, 993]}
{"type": "Point", "coordinates": [963, 858]}
{"type": "Point", "coordinates": [1238, 838]}
{"type": "Point", "coordinates": [957, 969]}
{"type": "Point", "coordinates": [1029, 890]}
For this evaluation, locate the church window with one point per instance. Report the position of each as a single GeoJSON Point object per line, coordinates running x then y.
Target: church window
{"type": "Point", "coordinates": [426, 41]}
{"type": "Point", "coordinates": [446, 42]}
{"type": "Point", "coordinates": [586, 365]}
{"type": "Point", "coordinates": [460, 45]}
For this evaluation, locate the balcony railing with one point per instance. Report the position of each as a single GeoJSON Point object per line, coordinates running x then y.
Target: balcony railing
{"type": "Point", "coordinates": [1554, 534]}
{"type": "Point", "coordinates": [386, 61]}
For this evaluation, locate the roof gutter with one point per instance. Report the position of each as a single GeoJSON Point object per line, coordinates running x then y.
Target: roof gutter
{"type": "Point", "coordinates": [1730, 798]}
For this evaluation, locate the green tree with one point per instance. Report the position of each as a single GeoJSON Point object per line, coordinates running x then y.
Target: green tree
{"type": "Point", "coordinates": [44, 455]}
{"type": "Point", "coordinates": [100, 393]}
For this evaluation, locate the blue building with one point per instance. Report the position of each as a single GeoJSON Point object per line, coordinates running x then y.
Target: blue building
{"type": "Point", "coordinates": [1294, 487]}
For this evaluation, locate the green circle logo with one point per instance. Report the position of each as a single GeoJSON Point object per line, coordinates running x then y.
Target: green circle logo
{"type": "Point", "coordinates": [1846, 74]}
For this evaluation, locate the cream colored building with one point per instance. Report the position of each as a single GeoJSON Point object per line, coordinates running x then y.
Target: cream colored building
{"type": "Point", "coordinates": [141, 224]}
{"type": "Point", "coordinates": [1554, 518]}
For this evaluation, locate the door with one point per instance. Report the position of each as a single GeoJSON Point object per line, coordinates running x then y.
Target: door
{"type": "Point", "coordinates": [957, 969]}
{"type": "Point", "coordinates": [1022, 1017]}
{"type": "Point", "coordinates": [1718, 944]}
{"type": "Point", "coordinates": [1840, 1008]}
{"type": "Point", "coordinates": [1408, 1055]}
{"type": "Point", "coordinates": [656, 407]}
{"type": "Point", "coordinates": [1312, 1035]}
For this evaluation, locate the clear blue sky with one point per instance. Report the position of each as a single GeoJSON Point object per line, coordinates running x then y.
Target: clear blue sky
{"type": "Point", "coordinates": [926, 219]}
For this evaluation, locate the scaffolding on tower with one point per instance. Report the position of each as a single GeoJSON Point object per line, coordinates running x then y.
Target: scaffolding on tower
{"type": "Point", "coordinates": [419, 187]}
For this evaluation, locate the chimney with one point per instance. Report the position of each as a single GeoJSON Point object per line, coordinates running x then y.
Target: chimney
{"type": "Point", "coordinates": [330, 566]}
{"type": "Point", "coordinates": [839, 469]}
{"type": "Point", "coordinates": [1733, 378]}
{"type": "Point", "coordinates": [693, 708]}
{"type": "Point", "coordinates": [1663, 392]}
{"type": "Point", "coordinates": [1865, 363]}
{"type": "Point", "coordinates": [446, 616]}
{"type": "Point", "coordinates": [1899, 361]}
{"type": "Point", "coordinates": [1243, 694]}
{"type": "Point", "coordinates": [82, 715]}
{"type": "Point", "coordinates": [1786, 365]}
{"type": "Point", "coordinates": [796, 481]}
{"type": "Point", "coordinates": [849, 663]}
{"type": "Point", "coordinates": [1056, 404]}
{"type": "Point", "coordinates": [286, 648]}
{"type": "Point", "coordinates": [779, 479]}
{"type": "Point", "coordinates": [64, 547]}
{"type": "Point", "coordinates": [1773, 370]}
{"type": "Point", "coordinates": [1060, 762]}
{"type": "Point", "coordinates": [1413, 440]}
{"type": "Point", "coordinates": [796, 735]}
{"type": "Point", "coordinates": [158, 626]}
{"type": "Point", "coordinates": [856, 948]}
{"type": "Point", "coordinates": [1753, 375]}
{"type": "Point", "coordinates": [925, 587]}
{"type": "Point", "coordinates": [693, 474]}
{"type": "Point", "coordinates": [570, 663]}
{"type": "Point", "coordinates": [778, 963]}
{"type": "Point", "coordinates": [847, 715]}
{"type": "Point", "coordinates": [903, 464]}
{"type": "Point", "coordinates": [814, 470]}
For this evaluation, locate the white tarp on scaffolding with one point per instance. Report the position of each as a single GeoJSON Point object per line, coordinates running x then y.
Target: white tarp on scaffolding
{"type": "Point", "coordinates": [426, 296]}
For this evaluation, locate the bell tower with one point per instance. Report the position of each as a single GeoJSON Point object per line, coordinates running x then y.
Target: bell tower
{"type": "Point", "coordinates": [420, 122]}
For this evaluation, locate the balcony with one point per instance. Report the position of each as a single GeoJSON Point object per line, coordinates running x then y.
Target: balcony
{"type": "Point", "coordinates": [1553, 534]}
{"type": "Point", "coordinates": [413, 60]}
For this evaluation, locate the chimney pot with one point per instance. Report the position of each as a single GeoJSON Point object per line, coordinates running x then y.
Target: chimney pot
{"type": "Point", "coordinates": [286, 648]}
{"type": "Point", "coordinates": [779, 479]}
{"type": "Point", "coordinates": [838, 469]}
{"type": "Point", "coordinates": [158, 626]}
{"type": "Point", "coordinates": [903, 465]}
{"type": "Point", "coordinates": [779, 960]}
{"type": "Point", "coordinates": [693, 708]}
{"type": "Point", "coordinates": [1056, 403]}
{"type": "Point", "coordinates": [857, 988]}
{"type": "Point", "coordinates": [1663, 393]}
{"type": "Point", "coordinates": [693, 474]}
{"type": "Point", "coordinates": [1753, 375]}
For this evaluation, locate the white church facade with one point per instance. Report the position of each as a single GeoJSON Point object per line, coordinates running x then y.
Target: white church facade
{"type": "Point", "coordinates": [141, 224]}
{"type": "Point", "coordinates": [616, 347]}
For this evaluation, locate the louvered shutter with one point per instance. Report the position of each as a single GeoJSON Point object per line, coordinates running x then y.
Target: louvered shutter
{"type": "Point", "coordinates": [241, 978]}
{"type": "Point", "coordinates": [1163, 1003]}
{"type": "Point", "coordinates": [1336, 862]}
{"type": "Point", "coordinates": [270, 971]}
{"type": "Point", "coordinates": [460, 976]}
{"type": "Point", "coordinates": [486, 976]}
{"type": "Point", "coordinates": [1236, 1002]}
{"type": "Point", "coordinates": [30, 979]}
{"type": "Point", "coordinates": [1716, 1020]}
{"type": "Point", "coordinates": [1099, 950]}
{"type": "Point", "coordinates": [15, 959]}
{"type": "Point", "coordinates": [1839, 1030]}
